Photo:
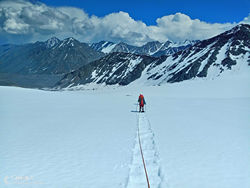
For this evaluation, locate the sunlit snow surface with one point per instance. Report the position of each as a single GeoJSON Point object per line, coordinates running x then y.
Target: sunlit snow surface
{"type": "Point", "coordinates": [194, 134]}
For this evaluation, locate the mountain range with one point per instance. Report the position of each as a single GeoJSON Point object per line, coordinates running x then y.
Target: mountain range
{"type": "Point", "coordinates": [208, 58]}
{"type": "Point", "coordinates": [66, 63]}
{"type": "Point", "coordinates": [154, 48]}
{"type": "Point", "coordinates": [42, 64]}
{"type": "Point", "coordinates": [50, 57]}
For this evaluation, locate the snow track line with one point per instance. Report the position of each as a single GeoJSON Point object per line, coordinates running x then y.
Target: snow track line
{"type": "Point", "coordinates": [142, 156]}
{"type": "Point", "coordinates": [145, 159]}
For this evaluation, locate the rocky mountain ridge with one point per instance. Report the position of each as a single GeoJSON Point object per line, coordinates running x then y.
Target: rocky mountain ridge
{"type": "Point", "coordinates": [208, 58]}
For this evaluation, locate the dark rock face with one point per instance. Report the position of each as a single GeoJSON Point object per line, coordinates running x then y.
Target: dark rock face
{"type": "Point", "coordinates": [115, 68]}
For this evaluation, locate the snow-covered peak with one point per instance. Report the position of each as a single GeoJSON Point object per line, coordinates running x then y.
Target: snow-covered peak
{"type": "Point", "coordinates": [68, 42]}
{"type": "Point", "coordinates": [182, 43]}
{"type": "Point", "coordinates": [52, 42]}
{"type": "Point", "coordinates": [70, 39]}
{"type": "Point", "coordinates": [108, 48]}
{"type": "Point", "coordinates": [151, 47]}
{"type": "Point", "coordinates": [189, 42]}
{"type": "Point", "coordinates": [152, 43]}
{"type": "Point", "coordinates": [237, 28]}
{"type": "Point", "coordinates": [103, 46]}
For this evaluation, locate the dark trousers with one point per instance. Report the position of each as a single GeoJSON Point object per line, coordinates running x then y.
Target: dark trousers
{"type": "Point", "coordinates": [141, 108]}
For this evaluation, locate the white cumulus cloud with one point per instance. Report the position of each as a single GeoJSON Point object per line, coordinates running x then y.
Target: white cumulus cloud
{"type": "Point", "coordinates": [23, 21]}
{"type": "Point", "coordinates": [179, 27]}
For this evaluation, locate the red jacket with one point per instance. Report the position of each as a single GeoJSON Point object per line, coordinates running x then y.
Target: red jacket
{"type": "Point", "coordinates": [141, 100]}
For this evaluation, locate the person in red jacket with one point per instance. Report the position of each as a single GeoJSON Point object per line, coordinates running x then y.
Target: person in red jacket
{"type": "Point", "coordinates": [141, 102]}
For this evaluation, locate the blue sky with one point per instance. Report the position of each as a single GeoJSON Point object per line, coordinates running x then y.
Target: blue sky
{"type": "Point", "coordinates": [148, 11]}
{"type": "Point", "coordinates": [134, 22]}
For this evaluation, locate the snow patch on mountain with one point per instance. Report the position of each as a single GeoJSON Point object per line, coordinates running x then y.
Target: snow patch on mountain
{"type": "Point", "coordinates": [132, 64]}
{"type": "Point", "coordinates": [216, 67]}
{"type": "Point", "coordinates": [108, 49]}
{"type": "Point", "coordinates": [50, 43]}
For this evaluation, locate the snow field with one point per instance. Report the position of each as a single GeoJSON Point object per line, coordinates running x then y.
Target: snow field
{"type": "Point", "coordinates": [198, 136]}
{"type": "Point", "coordinates": [65, 139]}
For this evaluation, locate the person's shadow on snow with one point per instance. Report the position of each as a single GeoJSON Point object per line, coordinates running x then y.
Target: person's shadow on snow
{"type": "Point", "coordinates": [134, 111]}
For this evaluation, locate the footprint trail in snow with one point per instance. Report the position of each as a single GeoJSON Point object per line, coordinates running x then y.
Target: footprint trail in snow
{"type": "Point", "coordinates": [137, 177]}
